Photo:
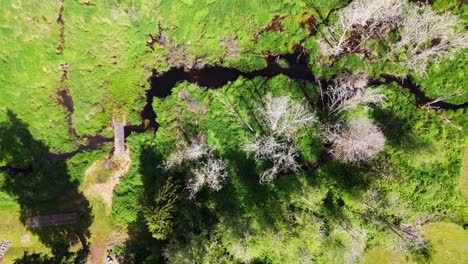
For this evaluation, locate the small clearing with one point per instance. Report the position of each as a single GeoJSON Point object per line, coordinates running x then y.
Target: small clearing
{"type": "Point", "coordinates": [102, 177]}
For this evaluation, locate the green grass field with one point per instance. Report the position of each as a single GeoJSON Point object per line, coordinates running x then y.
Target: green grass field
{"type": "Point", "coordinates": [449, 242]}
{"type": "Point", "coordinates": [384, 256]}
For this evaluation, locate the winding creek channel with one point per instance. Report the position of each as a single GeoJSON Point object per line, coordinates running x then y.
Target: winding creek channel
{"type": "Point", "coordinates": [213, 77]}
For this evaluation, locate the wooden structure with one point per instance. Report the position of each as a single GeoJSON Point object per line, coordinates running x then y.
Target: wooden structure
{"type": "Point", "coordinates": [53, 220]}
{"type": "Point", "coordinates": [4, 248]}
{"type": "Point", "coordinates": [119, 137]}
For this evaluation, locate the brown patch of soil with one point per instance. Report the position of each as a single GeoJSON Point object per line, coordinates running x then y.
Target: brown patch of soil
{"type": "Point", "coordinates": [65, 100]}
{"type": "Point", "coordinates": [309, 22]}
{"type": "Point", "coordinates": [275, 25]}
{"type": "Point", "coordinates": [97, 251]}
{"type": "Point", "coordinates": [61, 22]}
{"type": "Point", "coordinates": [104, 190]}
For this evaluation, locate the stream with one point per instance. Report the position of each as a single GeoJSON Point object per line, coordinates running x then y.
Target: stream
{"type": "Point", "coordinates": [217, 76]}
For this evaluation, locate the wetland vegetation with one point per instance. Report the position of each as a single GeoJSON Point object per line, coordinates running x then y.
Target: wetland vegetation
{"type": "Point", "coordinates": [309, 131]}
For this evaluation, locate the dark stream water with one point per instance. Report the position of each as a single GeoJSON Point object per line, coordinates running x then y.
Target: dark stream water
{"type": "Point", "coordinates": [217, 76]}
{"type": "Point", "coordinates": [421, 98]}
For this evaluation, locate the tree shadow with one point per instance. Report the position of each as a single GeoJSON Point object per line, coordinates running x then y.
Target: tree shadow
{"type": "Point", "coordinates": [141, 247]}
{"type": "Point", "coordinates": [244, 202]}
{"type": "Point", "coordinates": [396, 129]}
{"type": "Point", "coordinates": [43, 186]}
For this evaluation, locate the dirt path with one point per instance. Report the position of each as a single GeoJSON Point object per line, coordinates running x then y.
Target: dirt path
{"type": "Point", "coordinates": [100, 180]}
{"type": "Point", "coordinates": [118, 167]}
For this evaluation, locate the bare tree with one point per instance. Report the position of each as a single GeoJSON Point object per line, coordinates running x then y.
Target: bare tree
{"type": "Point", "coordinates": [196, 151]}
{"type": "Point", "coordinates": [281, 119]}
{"type": "Point", "coordinates": [427, 36]}
{"type": "Point", "coordinates": [211, 172]}
{"type": "Point", "coordinates": [358, 141]}
{"type": "Point", "coordinates": [411, 239]}
{"type": "Point", "coordinates": [284, 117]}
{"type": "Point", "coordinates": [203, 167]}
{"type": "Point", "coordinates": [350, 91]}
{"type": "Point", "coordinates": [363, 15]}
{"type": "Point", "coordinates": [280, 153]}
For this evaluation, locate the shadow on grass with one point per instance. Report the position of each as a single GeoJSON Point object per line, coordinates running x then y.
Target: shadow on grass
{"type": "Point", "coordinates": [141, 247]}
{"type": "Point", "coordinates": [43, 186]}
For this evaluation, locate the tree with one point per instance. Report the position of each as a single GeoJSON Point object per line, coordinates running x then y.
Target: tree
{"type": "Point", "coordinates": [358, 141]}
{"type": "Point", "coordinates": [350, 91]}
{"type": "Point", "coordinates": [211, 172]}
{"type": "Point", "coordinates": [203, 167]}
{"type": "Point", "coordinates": [428, 36]}
{"type": "Point", "coordinates": [281, 154]}
{"type": "Point", "coordinates": [364, 16]}
{"type": "Point", "coordinates": [158, 216]}
{"type": "Point", "coordinates": [283, 119]}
